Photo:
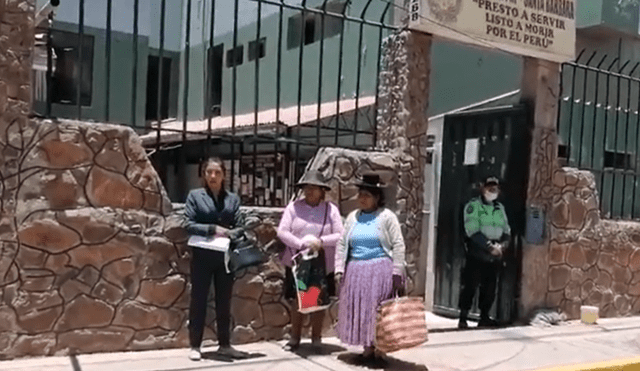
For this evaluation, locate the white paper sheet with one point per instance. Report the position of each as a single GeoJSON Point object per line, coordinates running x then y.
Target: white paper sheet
{"type": "Point", "coordinates": [471, 151]}
{"type": "Point", "coordinates": [210, 243]}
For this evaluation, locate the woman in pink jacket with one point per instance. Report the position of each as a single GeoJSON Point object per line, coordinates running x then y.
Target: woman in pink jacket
{"type": "Point", "coordinates": [309, 223]}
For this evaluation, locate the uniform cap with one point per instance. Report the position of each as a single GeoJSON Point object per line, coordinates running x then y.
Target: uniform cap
{"type": "Point", "coordinates": [492, 180]}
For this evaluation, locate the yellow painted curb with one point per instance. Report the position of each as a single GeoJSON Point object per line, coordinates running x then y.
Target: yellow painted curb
{"type": "Point", "coordinates": [627, 364]}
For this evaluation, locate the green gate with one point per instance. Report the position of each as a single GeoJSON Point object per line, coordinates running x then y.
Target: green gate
{"type": "Point", "coordinates": [476, 144]}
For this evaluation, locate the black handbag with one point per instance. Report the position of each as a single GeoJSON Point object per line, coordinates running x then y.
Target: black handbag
{"type": "Point", "coordinates": [243, 251]}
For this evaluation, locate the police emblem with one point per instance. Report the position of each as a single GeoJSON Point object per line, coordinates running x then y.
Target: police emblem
{"type": "Point", "coordinates": [470, 209]}
{"type": "Point", "coordinates": [445, 10]}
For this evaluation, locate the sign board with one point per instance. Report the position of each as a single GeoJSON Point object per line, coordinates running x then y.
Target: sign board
{"type": "Point", "coordinates": [544, 29]}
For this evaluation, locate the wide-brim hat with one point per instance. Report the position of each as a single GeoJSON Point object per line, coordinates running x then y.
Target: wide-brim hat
{"type": "Point", "coordinates": [371, 181]}
{"type": "Point", "coordinates": [313, 177]}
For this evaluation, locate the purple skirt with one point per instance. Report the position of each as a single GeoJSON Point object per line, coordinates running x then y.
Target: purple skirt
{"type": "Point", "coordinates": [365, 285]}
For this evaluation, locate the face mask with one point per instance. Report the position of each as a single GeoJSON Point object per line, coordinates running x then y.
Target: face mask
{"type": "Point", "coordinates": [490, 196]}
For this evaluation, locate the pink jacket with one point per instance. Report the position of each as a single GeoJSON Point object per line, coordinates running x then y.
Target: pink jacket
{"type": "Point", "coordinates": [300, 219]}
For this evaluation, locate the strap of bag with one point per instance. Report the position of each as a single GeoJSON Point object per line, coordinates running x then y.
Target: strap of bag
{"type": "Point", "coordinates": [326, 211]}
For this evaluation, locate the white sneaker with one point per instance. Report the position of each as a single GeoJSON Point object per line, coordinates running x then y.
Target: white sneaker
{"type": "Point", "coordinates": [195, 354]}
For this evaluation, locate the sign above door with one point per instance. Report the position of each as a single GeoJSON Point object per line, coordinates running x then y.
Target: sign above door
{"type": "Point", "coordinates": [544, 29]}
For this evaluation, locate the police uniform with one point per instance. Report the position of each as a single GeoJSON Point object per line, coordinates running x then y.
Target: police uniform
{"type": "Point", "coordinates": [485, 222]}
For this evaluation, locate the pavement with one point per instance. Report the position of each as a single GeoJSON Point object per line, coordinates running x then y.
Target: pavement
{"type": "Point", "coordinates": [611, 344]}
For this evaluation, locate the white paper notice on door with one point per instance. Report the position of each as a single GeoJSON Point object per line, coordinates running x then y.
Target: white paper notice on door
{"type": "Point", "coordinates": [471, 151]}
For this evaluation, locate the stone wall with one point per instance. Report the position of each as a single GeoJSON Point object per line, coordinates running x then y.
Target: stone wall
{"type": "Point", "coordinates": [587, 260]}
{"type": "Point", "coordinates": [402, 131]}
{"type": "Point", "coordinates": [93, 256]}
{"type": "Point", "coordinates": [98, 260]}
{"type": "Point", "coordinates": [88, 258]}
{"type": "Point", "coordinates": [591, 261]}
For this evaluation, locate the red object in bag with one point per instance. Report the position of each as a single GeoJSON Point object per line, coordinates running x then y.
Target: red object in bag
{"type": "Point", "coordinates": [309, 298]}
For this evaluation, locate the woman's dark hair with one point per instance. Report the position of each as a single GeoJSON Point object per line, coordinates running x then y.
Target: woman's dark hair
{"type": "Point", "coordinates": [376, 192]}
{"type": "Point", "coordinates": [211, 159]}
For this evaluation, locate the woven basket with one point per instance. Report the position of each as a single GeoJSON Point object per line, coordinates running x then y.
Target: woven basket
{"type": "Point", "coordinates": [401, 324]}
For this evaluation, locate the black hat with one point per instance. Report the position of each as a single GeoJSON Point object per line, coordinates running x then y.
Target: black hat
{"type": "Point", "coordinates": [371, 180]}
{"type": "Point", "coordinates": [313, 177]}
{"type": "Point", "coordinates": [491, 180]}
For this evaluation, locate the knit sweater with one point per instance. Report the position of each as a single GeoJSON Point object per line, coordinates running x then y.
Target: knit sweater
{"type": "Point", "coordinates": [300, 219]}
{"type": "Point", "coordinates": [390, 236]}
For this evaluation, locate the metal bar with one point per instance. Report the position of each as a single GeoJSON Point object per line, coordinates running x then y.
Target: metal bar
{"type": "Point", "coordinates": [320, 64]}
{"type": "Point", "coordinates": [573, 85]}
{"type": "Point", "coordinates": [285, 196]}
{"type": "Point", "coordinates": [379, 62]}
{"type": "Point", "coordinates": [300, 74]}
{"type": "Point", "coordinates": [584, 102]}
{"type": "Point", "coordinates": [108, 64]}
{"type": "Point", "coordinates": [163, 10]}
{"type": "Point", "coordinates": [80, 56]}
{"type": "Point", "coordinates": [330, 14]}
{"type": "Point", "coordinates": [340, 54]}
{"type": "Point", "coordinates": [561, 91]}
{"type": "Point", "coordinates": [626, 131]}
{"type": "Point", "coordinates": [256, 100]}
{"type": "Point", "coordinates": [635, 173]}
{"type": "Point", "coordinates": [49, 76]}
{"type": "Point", "coordinates": [134, 77]}
{"type": "Point", "coordinates": [234, 93]}
{"type": "Point", "coordinates": [185, 97]}
{"type": "Point", "coordinates": [615, 135]}
{"type": "Point", "coordinates": [595, 110]}
{"type": "Point", "coordinates": [604, 136]}
{"type": "Point", "coordinates": [359, 72]}
{"type": "Point", "coordinates": [209, 108]}
{"type": "Point", "coordinates": [605, 72]}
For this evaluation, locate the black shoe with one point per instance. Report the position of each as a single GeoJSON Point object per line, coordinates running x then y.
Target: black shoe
{"type": "Point", "coordinates": [487, 322]}
{"type": "Point", "coordinates": [462, 324]}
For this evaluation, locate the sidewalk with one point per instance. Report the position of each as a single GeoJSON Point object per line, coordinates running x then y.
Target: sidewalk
{"type": "Point", "coordinates": [515, 348]}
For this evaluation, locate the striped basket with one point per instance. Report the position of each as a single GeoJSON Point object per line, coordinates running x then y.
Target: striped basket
{"type": "Point", "coordinates": [401, 324]}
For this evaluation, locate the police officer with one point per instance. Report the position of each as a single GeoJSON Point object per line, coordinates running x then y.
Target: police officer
{"type": "Point", "coordinates": [487, 235]}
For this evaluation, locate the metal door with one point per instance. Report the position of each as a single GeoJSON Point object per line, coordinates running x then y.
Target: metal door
{"type": "Point", "coordinates": [503, 141]}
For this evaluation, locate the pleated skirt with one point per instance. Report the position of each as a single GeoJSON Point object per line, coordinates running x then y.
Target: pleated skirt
{"type": "Point", "coordinates": [365, 285]}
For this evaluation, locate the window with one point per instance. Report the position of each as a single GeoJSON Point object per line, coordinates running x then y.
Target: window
{"type": "Point", "coordinates": [153, 88]}
{"type": "Point", "coordinates": [618, 160]}
{"type": "Point", "coordinates": [312, 29]}
{"type": "Point", "coordinates": [68, 65]}
{"type": "Point", "coordinates": [257, 49]}
{"type": "Point", "coordinates": [234, 56]}
{"type": "Point", "coordinates": [214, 79]}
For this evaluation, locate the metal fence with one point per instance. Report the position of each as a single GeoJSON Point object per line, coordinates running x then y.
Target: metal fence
{"type": "Point", "coordinates": [309, 79]}
{"type": "Point", "coordinates": [599, 128]}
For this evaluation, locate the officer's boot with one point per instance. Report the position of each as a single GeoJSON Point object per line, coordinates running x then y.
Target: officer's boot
{"type": "Point", "coordinates": [486, 321]}
{"type": "Point", "coordinates": [462, 323]}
